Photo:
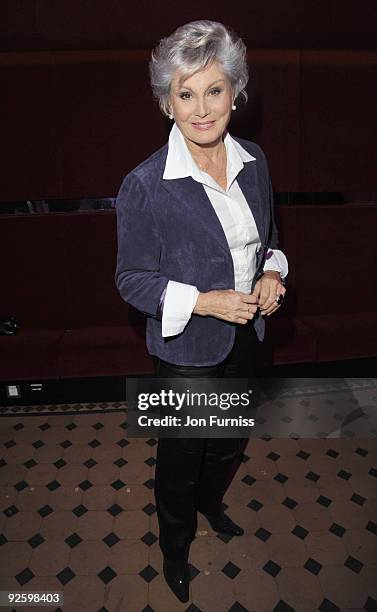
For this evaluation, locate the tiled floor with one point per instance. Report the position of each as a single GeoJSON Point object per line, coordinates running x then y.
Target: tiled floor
{"type": "Point", "coordinates": [78, 515]}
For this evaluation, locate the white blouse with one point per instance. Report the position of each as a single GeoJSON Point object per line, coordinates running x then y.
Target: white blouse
{"type": "Point", "coordinates": [235, 217]}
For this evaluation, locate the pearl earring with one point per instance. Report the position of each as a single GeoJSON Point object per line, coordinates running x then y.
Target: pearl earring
{"type": "Point", "coordinates": [234, 107]}
{"type": "Point", "coordinates": [170, 116]}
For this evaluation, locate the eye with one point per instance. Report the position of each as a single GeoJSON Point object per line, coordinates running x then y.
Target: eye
{"type": "Point", "coordinates": [184, 95]}
{"type": "Point", "coordinates": [216, 91]}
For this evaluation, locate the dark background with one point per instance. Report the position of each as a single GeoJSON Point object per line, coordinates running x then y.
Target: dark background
{"type": "Point", "coordinates": [77, 110]}
{"type": "Point", "coordinates": [77, 114]}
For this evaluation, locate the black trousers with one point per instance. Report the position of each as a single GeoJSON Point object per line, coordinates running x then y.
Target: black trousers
{"type": "Point", "coordinates": [194, 473]}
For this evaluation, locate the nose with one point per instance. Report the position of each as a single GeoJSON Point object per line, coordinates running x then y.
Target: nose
{"type": "Point", "coordinates": [201, 107]}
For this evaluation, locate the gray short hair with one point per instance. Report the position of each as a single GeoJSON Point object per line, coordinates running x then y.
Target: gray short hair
{"type": "Point", "coordinates": [193, 47]}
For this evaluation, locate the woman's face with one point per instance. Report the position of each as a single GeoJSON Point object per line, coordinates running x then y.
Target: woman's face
{"type": "Point", "coordinates": [201, 105]}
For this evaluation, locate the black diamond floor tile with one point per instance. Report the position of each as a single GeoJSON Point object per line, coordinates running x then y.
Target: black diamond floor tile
{"type": "Point", "coordinates": [289, 503]}
{"type": "Point", "coordinates": [149, 509]}
{"type": "Point", "coordinates": [337, 530]}
{"type": "Point", "coordinates": [89, 463]}
{"type": "Point", "coordinates": [236, 607]}
{"type": "Point", "coordinates": [149, 538]}
{"type": "Point", "coordinates": [73, 540]}
{"type": "Point", "coordinates": [231, 570]}
{"type": "Point", "coordinates": [9, 444]}
{"type": "Point", "coordinates": [149, 483]}
{"type": "Point", "coordinates": [20, 486]}
{"type": "Point", "coordinates": [38, 444]}
{"type": "Point", "coordinates": [312, 476]}
{"type": "Point", "coordinates": [344, 475]}
{"type": "Point", "coordinates": [3, 539]}
{"type": "Point", "coordinates": [328, 606]}
{"type": "Point", "coordinates": [111, 539]}
{"type": "Point", "coordinates": [249, 480]}
{"type": "Point", "coordinates": [66, 444]}
{"type": "Point", "coordinates": [263, 534]}
{"type": "Point", "coordinates": [114, 510]}
{"type": "Point", "coordinates": [122, 443]}
{"type": "Point", "coordinates": [60, 463]}
{"type": "Point", "coordinates": [45, 511]}
{"type": "Point", "coordinates": [361, 451]}
{"type": "Point", "coordinates": [353, 564]}
{"type": "Point", "coordinates": [24, 577]}
{"type": "Point", "coordinates": [11, 511]}
{"type": "Point", "coordinates": [118, 484]}
{"type": "Point", "coordinates": [313, 566]}
{"type": "Point", "coordinates": [85, 485]}
{"type": "Point", "coordinates": [94, 443]}
{"type": "Point", "coordinates": [303, 455]}
{"type": "Point", "coordinates": [282, 606]}
{"type": "Point", "coordinates": [358, 499]}
{"type": "Point", "coordinates": [120, 462]}
{"type": "Point", "coordinates": [273, 456]}
{"type": "Point", "coordinates": [36, 540]}
{"type": "Point", "coordinates": [107, 574]}
{"type": "Point", "coordinates": [150, 461]}
{"type": "Point", "coordinates": [323, 501]}
{"type": "Point", "coordinates": [372, 527]}
{"type": "Point", "coordinates": [65, 575]}
{"type": "Point", "coordinates": [281, 478]}
{"type": "Point", "coordinates": [80, 510]}
{"type": "Point", "coordinates": [148, 573]}
{"type": "Point", "coordinates": [54, 484]}
{"type": "Point", "coordinates": [300, 532]}
{"type": "Point", "coordinates": [332, 453]}
{"type": "Point", "coordinates": [30, 463]}
{"type": "Point", "coordinates": [272, 568]}
{"type": "Point", "coordinates": [255, 505]}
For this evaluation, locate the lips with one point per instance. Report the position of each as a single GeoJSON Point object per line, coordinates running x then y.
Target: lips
{"type": "Point", "coordinates": [204, 126]}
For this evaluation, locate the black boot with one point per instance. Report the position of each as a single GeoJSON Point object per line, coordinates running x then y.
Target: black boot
{"type": "Point", "coordinates": [223, 524]}
{"type": "Point", "coordinates": [177, 576]}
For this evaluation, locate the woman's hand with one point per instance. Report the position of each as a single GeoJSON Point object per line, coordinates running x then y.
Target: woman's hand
{"type": "Point", "coordinates": [266, 289]}
{"type": "Point", "coordinates": [227, 304]}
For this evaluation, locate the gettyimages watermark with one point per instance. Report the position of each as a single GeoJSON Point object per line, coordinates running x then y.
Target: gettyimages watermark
{"type": "Point", "coordinates": [242, 408]}
{"type": "Point", "coordinates": [190, 407]}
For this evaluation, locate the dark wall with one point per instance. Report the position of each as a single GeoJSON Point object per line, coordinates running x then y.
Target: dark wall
{"type": "Point", "coordinates": [108, 24]}
{"type": "Point", "coordinates": [77, 110]}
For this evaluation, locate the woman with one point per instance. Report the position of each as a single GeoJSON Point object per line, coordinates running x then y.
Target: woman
{"type": "Point", "coordinates": [198, 253]}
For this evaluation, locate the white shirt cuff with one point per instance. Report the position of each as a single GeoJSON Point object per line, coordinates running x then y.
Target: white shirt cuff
{"type": "Point", "coordinates": [180, 300]}
{"type": "Point", "coordinates": [278, 262]}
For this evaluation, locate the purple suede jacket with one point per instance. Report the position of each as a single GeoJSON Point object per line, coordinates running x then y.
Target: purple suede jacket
{"type": "Point", "coordinates": [168, 230]}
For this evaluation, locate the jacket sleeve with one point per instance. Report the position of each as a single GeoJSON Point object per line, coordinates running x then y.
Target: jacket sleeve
{"type": "Point", "coordinates": [137, 275]}
{"type": "Point", "coordinates": [273, 234]}
{"type": "Point", "coordinates": [273, 237]}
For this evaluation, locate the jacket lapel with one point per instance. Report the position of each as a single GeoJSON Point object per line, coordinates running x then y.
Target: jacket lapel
{"type": "Point", "coordinates": [248, 182]}
{"type": "Point", "coordinates": [192, 195]}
